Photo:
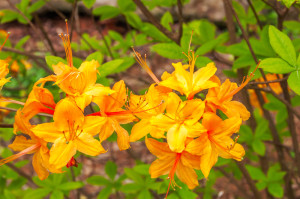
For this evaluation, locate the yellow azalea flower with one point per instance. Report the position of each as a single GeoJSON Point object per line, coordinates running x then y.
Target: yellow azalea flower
{"type": "Point", "coordinates": [170, 162]}
{"type": "Point", "coordinates": [3, 67]}
{"type": "Point", "coordinates": [145, 107]}
{"type": "Point", "coordinates": [40, 160]}
{"type": "Point", "coordinates": [70, 131]}
{"type": "Point", "coordinates": [3, 103]}
{"type": "Point", "coordinates": [220, 97]}
{"type": "Point", "coordinates": [78, 83]}
{"type": "Point", "coordinates": [189, 82]}
{"type": "Point", "coordinates": [113, 114]}
{"type": "Point", "coordinates": [216, 141]}
{"type": "Point", "coordinates": [180, 121]}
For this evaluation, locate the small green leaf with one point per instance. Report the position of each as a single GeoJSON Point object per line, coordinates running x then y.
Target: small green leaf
{"type": "Point", "coordinates": [246, 134]}
{"type": "Point", "coordinates": [166, 20]}
{"type": "Point", "coordinates": [131, 188]}
{"type": "Point", "coordinates": [168, 50]}
{"type": "Point", "coordinates": [261, 185]}
{"type": "Point", "coordinates": [35, 6]}
{"type": "Point", "coordinates": [275, 189]}
{"type": "Point", "coordinates": [106, 12]}
{"type": "Point", "coordinates": [105, 193]}
{"type": "Point", "coordinates": [144, 194]}
{"type": "Point", "coordinates": [134, 20]}
{"type": "Point", "coordinates": [111, 169]}
{"type": "Point", "coordinates": [57, 194]}
{"type": "Point", "coordinates": [37, 193]}
{"type": "Point", "coordinates": [110, 67]}
{"type": "Point", "coordinates": [261, 128]}
{"type": "Point", "coordinates": [8, 16]}
{"type": "Point", "coordinates": [282, 45]}
{"type": "Point", "coordinates": [288, 3]}
{"type": "Point", "coordinates": [202, 61]}
{"type": "Point", "coordinates": [276, 65]}
{"type": "Point", "coordinates": [135, 176]}
{"type": "Point", "coordinates": [126, 5]}
{"type": "Point", "coordinates": [70, 186]}
{"type": "Point", "coordinates": [255, 173]}
{"type": "Point", "coordinates": [97, 180]}
{"type": "Point", "coordinates": [259, 147]}
{"type": "Point", "coordinates": [98, 56]}
{"type": "Point", "coordinates": [88, 3]}
{"type": "Point", "coordinates": [294, 81]}
{"type": "Point", "coordinates": [53, 60]}
{"type": "Point", "coordinates": [22, 41]}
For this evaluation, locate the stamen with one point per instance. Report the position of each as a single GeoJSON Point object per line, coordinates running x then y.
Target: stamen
{"type": "Point", "coordinates": [144, 65]}
{"type": "Point", "coordinates": [172, 173]}
{"type": "Point", "coordinates": [8, 33]}
{"type": "Point", "coordinates": [244, 83]}
{"type": "Point", "coordinates": [67, 45]}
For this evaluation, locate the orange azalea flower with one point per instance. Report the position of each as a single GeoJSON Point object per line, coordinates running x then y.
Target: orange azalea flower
{"type": "Point", "coordinates": [216, 141]}
{"type": "Point", "coordinates": [70, 131]}
{"type": "Point", "coordinates": [3, 68]}
{"type": "Point", "coordinates": [180, 121]}
{"type": "Point", "coordinates": [79, 83]}
{"type": "Point", "coordinates": [170, 162]}
{"type": "Point", "coordinates": [34, 145]}
{"type": "Point", "coordinates": [146, 107]}
{"type": "Point", "coordinates": [189, 82]}
{"type": "Point", "coordinates": [221, 98]}
{"type": "Point", "coordinates": [113, 114]}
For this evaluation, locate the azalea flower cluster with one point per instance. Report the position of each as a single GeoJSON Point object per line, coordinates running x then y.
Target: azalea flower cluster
{"type": "Point", "coordinates": [190, 131]}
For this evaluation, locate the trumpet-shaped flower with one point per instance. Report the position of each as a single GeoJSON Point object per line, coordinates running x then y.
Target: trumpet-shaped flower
{"type": "Point", "coordinates": [216, 141]}
{"type": "Point", "coordinates": [180, 121]}
{"type": "Point", "coordinates": [189, 82]}
{"type": "Point", "coordinates": [113, 115]}
{"type": "Point", "coordinates": [170, 162]}
{"type": "Point", "coordinates": [70, 131]}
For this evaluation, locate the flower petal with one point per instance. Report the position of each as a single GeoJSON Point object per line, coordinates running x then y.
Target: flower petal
{"type": "Point", "coordinates": [37, 164]}
{"type": "Point", "coordinates": [88, 145]}
{"type": "Point", "coordinates": [187, 175]}
{"type": "Point", "coordinates": [176, 137]}
{"type": "Point", "coordinates": [161, 166]}
{"type": "Point", "coordinates": [47, 131]}
{"type": "Point", "coordinates": [159, 149]}
{"type": "Point", "coordinates": [20, 143]}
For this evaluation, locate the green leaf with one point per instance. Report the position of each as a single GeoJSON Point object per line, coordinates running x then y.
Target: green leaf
{"type": "Point", "coordinates": [246, 134]}
{"type": "Point", "coordinates": [261, 185]}
{"type": "Point", "coordinates": [243, 61]}
{"type": "Point", "coordinates": [144, 194]}
{"type": "Point", "coordinates": [126, 5]}
{"type": "Point", "coordinates": [259, 147]}
{"type": "Point", "coordinates": [37, 193]}
{"type": "Point", "coordinates": [202, 61]}
{"type": "Point", "coordinates": [166, 20]}
{"type": "Point", "coordinates": [131, 188]}
{"type": "Point", "coordinates": [88, 3]}
{"type": "Point", "coordinates": [288, 3]}
{"type": "Point", "coordinates": [8, 194]}
{"type": "Point", "coordinates": [110, 67]}
{"type": "Point", "coordinates": [261, 128]}
{"type": "Point", "coordinates": [142, 169]}
{"type": "Point", "coordinates": [22, 41]}
{"type": "Point", "coordinates": [111, 169]}
{"type": "Point", "coordinates": [70, 186]}
{"type": "Point", "coordinates": [105, 193]}
{"type": "Point", "coordinates": [97, 180]}
{"type": "Point", "coordinates": [35, 6]}
{"type": "Point", "coordinates": [135, 176]}
{"type": "Point", "coordinates": [53, 60]}
{"type": "Point", "coordinates": [275, 189]}
{"type": "Point", "coordinates": [134, 20]}
{"type": "Point", "coordinates": [282, 45]}
{"type": "Point", "coordinates": [255, 173]}
{"type": "Point", "coordinates": [294, 81]}
{"type": "Point", "coordinates": [8, 16]}
{"type": "Point", "coordinates": [275, 176]}
{"type": "Point", "coordinates": [57, 194]}
{"type": "Point", "coordinates": [168, 50]}
{"type": "Point", "coordinates": [153, 32]}
{"type": "Point", "coordinates": [276, 65]}
{"type": "Point", "coordinates": [207, 31]}
{"type": "Point", "coordinates": [106, 12]}
{"type": "Point", "coordinates": [98, 56]}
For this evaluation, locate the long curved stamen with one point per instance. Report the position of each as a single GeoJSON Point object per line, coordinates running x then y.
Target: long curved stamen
{"type": "Point", "coordinates": [8, 33]}
{"type": "Point", "coordinates": [144, 65]}
{"type": "Point", "coordinates": [244, 83]}
{"type": "Point", "coordinates": [172, 173]}
{"type": "Point", "coordinates": [67, 45]}
{"type": "Point", "coordinates": [16, 156]}
{"type": "Point", "coordinates": [227, 150]}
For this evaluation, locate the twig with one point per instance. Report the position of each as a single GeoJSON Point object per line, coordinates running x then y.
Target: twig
{"type": "Point", "coordinates": [28, 54]}
{"type": "Point", "coordinates": [15, 110]}
{"type": "Point", "coordinates": [73, 18]}
{"type": "Point", "coordinates": [269, 81]}
{"type": "Point", "coordinates": [255, 13]}
{"type": "Point", "coordinates": [76, 192]}
{"type": "Point", "coordinates": [6, 126]}
{"type": "Point", "coordinates": [229, 22]}
{"type": "Point", "coordinates": [153, 20]}
{"type": "Point", "coordinates": [180, 20]}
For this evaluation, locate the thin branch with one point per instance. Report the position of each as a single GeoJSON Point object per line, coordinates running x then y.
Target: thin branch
{"type": "Point", "coordinates": [180, 20]}
{"type": "Point", "coordinates": [15, 110]}
{"type": "Point", "coordinates": [6, 126]}
{"type": "Point", "coordinates": [73, 18]}
{"type": "Point", "coordinates": [28, 54]}
{"type": "Point", "coordinates": [76, 192]}
{"type": "Point", "coordinates": [255, 13]}
{"type": "Point", "coordinates": [268, 82]}
{"type": "Point", "coordinates": [156, 23]}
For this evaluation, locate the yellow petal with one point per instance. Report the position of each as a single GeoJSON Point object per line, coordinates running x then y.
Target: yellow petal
{"type": "Point", "coordinates": [176, 137]}
{"type": "Point", "coordinates": [88, 145]}
{"type": "Point", "coordinates": [140, 130]}
{"type": "Point", "coordinates": [159, 149]}
{"type": "Point", "coordinates": [61, 152]}
{"type": "Point", "coordinates": [161, 166]}
{"type": "Point", "coordinates": [47, 131]}
{"type": "Point", "coordinates": [208, 160]}
{"type": "Point", "coordinates": [83, 101]}
{"type": "Point", "coordinates": [228, 149]}
{"type": "Point", "coordinates": [199, 146]}
{"type": "Point", "coordinates": [236, 109]}
{"type": "Point", "coordinates": [67, 114]}
{"type": "Point", "coordinates": [210, 121]}
{"type": "Point", "coordinates": [98, 90]}
{"type": "Point", "coordinates": [93, 124]}
{"type": "Point", "coordinates": [187, 175]}
{"type": "Point", "coordinates": [37, 164]}
{"type": "Point", "coordinates": [106, 129]}
{"type": "Point", "coordinates": [123, 137]}
{"type": "Point", "coordinates": [227, 127]}
{"type": "Point", "coordinates": [189, 160]}
{"type": "Point", "coordinates": [89, 70]}
{"type": "Point", "coordinates": [20, 143]}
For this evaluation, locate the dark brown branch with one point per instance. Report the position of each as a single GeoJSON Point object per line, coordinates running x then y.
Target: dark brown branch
{"type": "Point", "coordinates": [15, 110]}
{"type": "Point", "coordinates": [269, 81]}
{"type": "Point", "coordinates": [255, 13]}
{"type": "Point", "coordinates": [180, 20]}
{"type": "Point", "coordinates": [156, 23]}
{"type": "Point", "coordinates": [74, 9]}
{"type": "Point", "coordinates": [6, 126]}
{"type": "Point", "coordinates": [28, 54]}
